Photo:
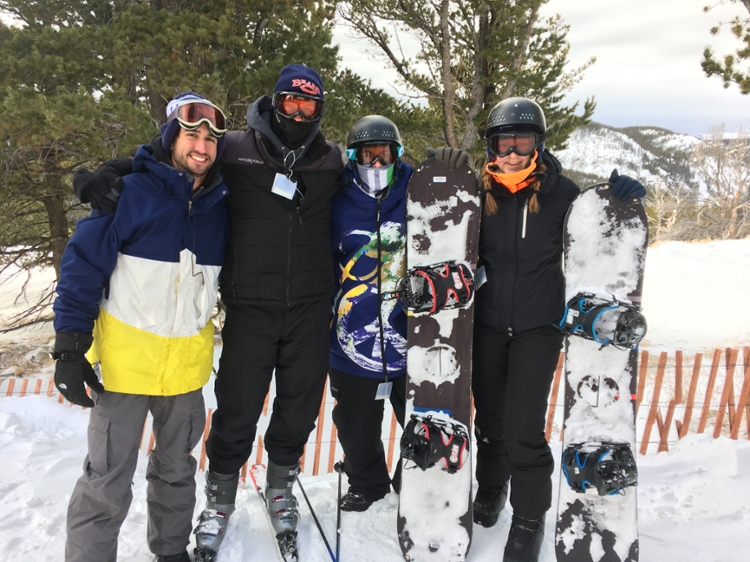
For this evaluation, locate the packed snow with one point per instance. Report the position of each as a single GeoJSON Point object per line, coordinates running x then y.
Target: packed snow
{"type": "Point", "coordinates": [693, 502]}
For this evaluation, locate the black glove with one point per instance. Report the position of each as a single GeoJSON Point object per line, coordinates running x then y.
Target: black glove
{"type": "Point", "coordinates": [73, 369]}
{"type": "Point", "coordinates": [449, 157]}
{"type": "Point", "coordinates": [102, 187]}
{"type": "Point", "coordinates": [625, 187]}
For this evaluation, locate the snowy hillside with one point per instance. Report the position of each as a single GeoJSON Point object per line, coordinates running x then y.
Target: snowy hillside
{"type": "Point", "coordinates": [650, 154]}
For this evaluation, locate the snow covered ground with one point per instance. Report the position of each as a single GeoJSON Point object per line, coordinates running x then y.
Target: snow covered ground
{"type": "Point", "coordinates": [694, 502]}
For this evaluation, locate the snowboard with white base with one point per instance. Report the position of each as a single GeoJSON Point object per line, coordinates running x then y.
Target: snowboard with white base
{"type": "Point", "coordinates": [605, 250]}
{"type": "Point", "coordinates": [434, 514]}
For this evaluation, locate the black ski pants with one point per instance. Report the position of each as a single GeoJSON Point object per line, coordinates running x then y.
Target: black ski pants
{"type": "Point", "coordinates": [258, 341]}
{"type": "Point", "coordinates": [359, 419]}
{"type": "Point", "coordinates": [511, 381]}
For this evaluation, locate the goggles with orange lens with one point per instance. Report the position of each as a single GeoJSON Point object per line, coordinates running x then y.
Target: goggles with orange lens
{"type": "Point", "coordinates": [192, 114]}
{"type": "Point", "coordinates": [369, 154]}
{"type": "Point", "coordinates": [522, 144]}
{"type": "Point", "coordinates": [291, 104]}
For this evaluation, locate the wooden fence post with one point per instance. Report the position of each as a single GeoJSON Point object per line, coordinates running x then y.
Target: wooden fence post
{"type": "Point", "coordinates": [654, 402]}
{"type": "Point", "coordinates": [744, 400]}
{"type": "Point", "coordinates": [727, 394]}
{"type": "Point", "coordinates": [709, 391]}
{"type": "Point", "coordinates": [642, 371]}
{"type": "Point", "coordinates": [552, 406]}
{"type": "Point", "coordinates": [332, 448]}
{"type": "Point", "coordinates": [663, 446]}
{"type": "Point", "coordinates": [319, 433]}
{"type": "Point", "coordinates": [684, 426]}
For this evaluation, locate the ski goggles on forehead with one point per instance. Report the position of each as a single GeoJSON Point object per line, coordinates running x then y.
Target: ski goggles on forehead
{"type": "Point", "coordinates": [193, 114]}
{"type": "Point", "coordinates": [291, 104]}
{"type": "Point", "coordinates": [522, 144]}
{"type": "Point", "coordinates": [369, 154]}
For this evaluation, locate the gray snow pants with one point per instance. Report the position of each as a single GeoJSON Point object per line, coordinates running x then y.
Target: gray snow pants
{"type": "Point", "coordinates": [102, 496]}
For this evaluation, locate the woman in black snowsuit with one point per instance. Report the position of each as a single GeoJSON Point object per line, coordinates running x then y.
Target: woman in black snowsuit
{"type": "Point", "coordinates": [516, 341]}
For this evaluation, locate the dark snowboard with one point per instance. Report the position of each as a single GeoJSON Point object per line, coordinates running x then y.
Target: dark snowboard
{"type": "Point", "coordinates": [605, 251]}
{"type": "Point", "coordinates": [443, 215]}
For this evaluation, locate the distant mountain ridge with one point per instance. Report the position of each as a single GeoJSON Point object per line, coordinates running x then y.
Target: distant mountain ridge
{"type": "Point", "coordinates": [650, 154]}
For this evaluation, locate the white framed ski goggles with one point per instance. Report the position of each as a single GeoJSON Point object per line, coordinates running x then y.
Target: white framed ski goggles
{"type": "Point", "coordinates": [192, 114]}
{"type": "Point", "coordinates": [370, 153]}
{"type": "Point", "coordinates": [523, 144]}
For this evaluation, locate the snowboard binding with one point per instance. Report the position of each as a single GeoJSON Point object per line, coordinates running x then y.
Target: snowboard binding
{"type": "Point", "coordinates": [605, 467]}
{"type": "Point", "coordinates": [606, 321]}
{"type": "Point", "coordinates": [428, 441]}
{"type": "Point", "coordinates": [432, 288]}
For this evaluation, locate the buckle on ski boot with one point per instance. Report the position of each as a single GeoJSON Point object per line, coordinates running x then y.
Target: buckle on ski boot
{"type": "Point", "coordinates": [605, 467]}
{"type": "Point", "coordinates": [432, 288]}
{"type": "Point", "coordinates": [604, 320]}
{"type": "Point", "coordinates": [427, 441]}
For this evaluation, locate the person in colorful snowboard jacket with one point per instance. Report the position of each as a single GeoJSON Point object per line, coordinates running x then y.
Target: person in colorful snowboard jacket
{"type": "Point", "coordinates": [137, 289]}
{"type": "Point", "coordinates": [367, 362]}
{"type": "Point", "coordinates": [517, 309]}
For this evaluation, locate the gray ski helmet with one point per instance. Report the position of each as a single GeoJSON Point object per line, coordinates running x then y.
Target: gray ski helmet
{"type": "Point", "coordinates": [516, 114]}
{"type": "Point", "coordinates": [373, 129]}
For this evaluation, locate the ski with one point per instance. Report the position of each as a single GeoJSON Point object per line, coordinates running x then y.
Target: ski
{"type": "Point", "coordinates": [286, 543]}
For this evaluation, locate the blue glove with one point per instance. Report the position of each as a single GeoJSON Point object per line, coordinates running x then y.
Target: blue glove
{"type": "Point", "coordinates": [626, 188]}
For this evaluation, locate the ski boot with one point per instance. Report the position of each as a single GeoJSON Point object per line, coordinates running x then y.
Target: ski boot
{"type": "Point", "coordinates": [221, 491]}
{"type": "Point", "coordinates": [488, 504]}
{"type": "Point", "coordinates": [282, 507]}
{"type": "Point", "coordinates": [524, 539]}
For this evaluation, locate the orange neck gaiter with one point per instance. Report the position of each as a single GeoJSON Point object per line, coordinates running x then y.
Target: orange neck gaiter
{"type": "Point", "coordinates": [515, 181]}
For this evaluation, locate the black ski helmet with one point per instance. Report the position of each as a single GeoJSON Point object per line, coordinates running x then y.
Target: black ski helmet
{"type": "Point", "coordinates": [372, 129]}
{"type": "Point", "coordinates": [516, 114]}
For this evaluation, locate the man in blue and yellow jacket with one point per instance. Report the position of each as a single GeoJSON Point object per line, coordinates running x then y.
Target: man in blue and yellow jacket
{"type": "Point", "coordinates": [137, 288]}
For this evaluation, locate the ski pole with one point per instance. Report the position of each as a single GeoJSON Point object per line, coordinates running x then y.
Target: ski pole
{"type": "Point", "coordinates": [315, 517]}
{"type": "Point", "coordinates": [338, 467]}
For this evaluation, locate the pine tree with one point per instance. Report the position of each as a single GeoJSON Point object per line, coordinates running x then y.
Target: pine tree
{"type": "Point", "coordinates": [82, 81]}
{"type": "Point", "coordinates": [473, 54]}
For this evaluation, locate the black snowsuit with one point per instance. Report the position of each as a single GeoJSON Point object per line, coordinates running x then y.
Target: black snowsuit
{"type": "Point", "coordinates": [276, 283]}
{"type": "Point", "coordinates": [516, 346]}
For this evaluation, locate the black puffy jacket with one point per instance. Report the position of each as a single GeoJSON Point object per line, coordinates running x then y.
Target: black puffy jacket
{"type": "Point", "coordinates": [279, 249]}
{"type": "Point", "coordinates": [522, 255]}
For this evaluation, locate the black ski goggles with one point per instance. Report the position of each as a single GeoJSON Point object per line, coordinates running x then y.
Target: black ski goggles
{"type": "Point", "coordinates": [292, 104]}
{"type": "Point", "coordinates": [369, 154]}
{"type": "Point", "coordinates": [523, 144]}
{"type": "Point", "coordinates": [192, 114]}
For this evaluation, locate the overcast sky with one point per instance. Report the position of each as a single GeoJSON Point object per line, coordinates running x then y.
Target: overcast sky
{"type": "Point", "coordinates": [648, 62]}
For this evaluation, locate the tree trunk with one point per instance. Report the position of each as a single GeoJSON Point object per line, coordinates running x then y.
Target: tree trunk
{"type": "Point", "coordinates": [59, 231]}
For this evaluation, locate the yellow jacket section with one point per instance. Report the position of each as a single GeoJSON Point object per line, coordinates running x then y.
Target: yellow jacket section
{"type": "Point", "coordinates": [133, 361]}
